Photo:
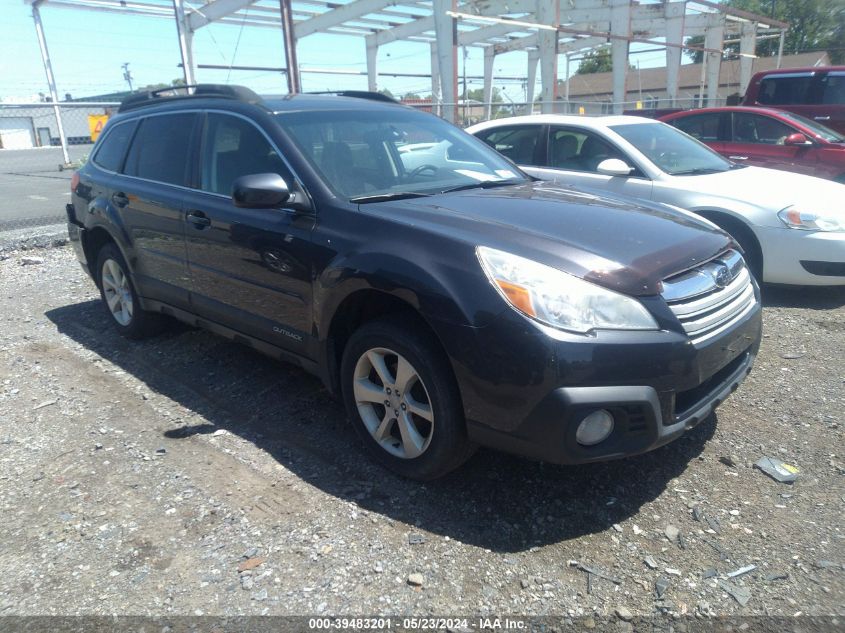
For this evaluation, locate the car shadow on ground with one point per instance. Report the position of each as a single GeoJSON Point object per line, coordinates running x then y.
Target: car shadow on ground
{"type": "Point", "coordinates": [495, 501]}
{"type": "Point", "coordinates": [813, 297]}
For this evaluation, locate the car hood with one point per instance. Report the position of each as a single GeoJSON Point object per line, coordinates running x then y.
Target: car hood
{"type": "Point", "coordinates": [618, 242]}
{"type": "Point", "coordinates": [766, 188]}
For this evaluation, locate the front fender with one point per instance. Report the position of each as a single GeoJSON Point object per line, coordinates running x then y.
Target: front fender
{"type": "Point", "coordinates": [442, 290]}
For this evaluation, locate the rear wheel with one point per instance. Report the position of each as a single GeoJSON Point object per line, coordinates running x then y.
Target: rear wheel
{"type": "Point", "coordinates": [119, 297]}
{"type": "Point", "coordinates": [402, 400]}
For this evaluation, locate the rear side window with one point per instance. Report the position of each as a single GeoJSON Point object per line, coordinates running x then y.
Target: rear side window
{"type": "Point", "coordinates": [232, 148]}
{"type": "Point", "coordinates": [785, 89]}
{"type": "Point", "coordinates": [161, 147]}
{"type": "Point", "coordinates": [704, 127]}
{"type": "Point", "coordinates": [113, 148]}
{"type": "Point", "coordinates": [519, 143]}
{"type": "Point", "coordinates": [834, 89]}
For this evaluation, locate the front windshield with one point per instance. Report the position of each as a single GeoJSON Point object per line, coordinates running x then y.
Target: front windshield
{"type": "Point", "coordinates": [818, 129]}
{"type": "Point", "coordinates": [671, 150]}
{"type": "Point", "coordinates": [393, 152]}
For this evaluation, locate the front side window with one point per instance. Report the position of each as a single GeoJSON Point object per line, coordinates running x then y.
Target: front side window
{"type": "Point", "coordinates": [234, 147]}
{"type": "Point", "coordinates": [517, 142]}
{"type": "Point", "coordinates": [670, 150]}
{"type": "Point", "coordinates": [753, 128]}
{"type": "Point", "coordinates": [815, 127]}
{"type": "Point", "coordinates": [113, 148]}
{"type": "Point", "coordinates": [391, 152]}
{"type": "Point", "coordinates": [785, 89]}
{"type": "Point", "coordinates": [579, 150]}
{"type": "Point", "coordinates": [704, 127]}
{"type": "Point", "coordinates": [834, 89]}
{"type": "Point", "coordinates": [161, 147]}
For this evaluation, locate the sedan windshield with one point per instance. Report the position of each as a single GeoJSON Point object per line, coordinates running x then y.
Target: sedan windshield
{"type": "Point", "coordinates": [671, 150]}
{"type": "Point", "coordinates": [372, 156]}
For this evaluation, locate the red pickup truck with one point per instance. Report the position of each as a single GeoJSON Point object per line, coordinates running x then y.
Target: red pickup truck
{"type": "Point", "coordinates": [816, 93]}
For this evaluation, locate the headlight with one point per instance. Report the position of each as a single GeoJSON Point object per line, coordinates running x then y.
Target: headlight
{"type": "Point", "coordinates": [796, 219]}
{"type": "Point", "coordinates": [559, 299]}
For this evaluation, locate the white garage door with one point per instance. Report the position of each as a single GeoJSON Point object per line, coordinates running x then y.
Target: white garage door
{"type": "Point", "coordinates": [16, 133]}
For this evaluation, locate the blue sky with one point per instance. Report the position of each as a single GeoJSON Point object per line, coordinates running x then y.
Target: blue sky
{"type": "Point", "coordinates": [88, 48]}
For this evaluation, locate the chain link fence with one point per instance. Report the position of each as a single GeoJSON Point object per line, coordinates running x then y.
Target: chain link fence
{"type": "Point", "coordinates": [471, 112]}
{"type": "Point", "coordinates": [35, 168]}
{"type": "Point", "coordinates": [35, 172]}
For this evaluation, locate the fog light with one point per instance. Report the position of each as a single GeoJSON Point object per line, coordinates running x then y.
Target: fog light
{"type": "Point", "coordinates": [594, 428]}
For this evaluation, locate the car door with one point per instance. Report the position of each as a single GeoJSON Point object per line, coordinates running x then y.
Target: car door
{"type": "Point", "coordinates": [250, 268]}
{"type": "Point", "coordinates": [831, 109]}
{"type": "Point", "coordinates": [759, 140]}
{"type": "Point", "coordinates": [149, 196]}
{"type": "Point", "coordinates": [706, 127]}
{"type": "Point", "coordinates": [573, 155]}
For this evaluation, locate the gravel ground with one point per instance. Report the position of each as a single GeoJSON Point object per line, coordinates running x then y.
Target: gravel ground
{"type": "Point", "coordinates": [189, 475]}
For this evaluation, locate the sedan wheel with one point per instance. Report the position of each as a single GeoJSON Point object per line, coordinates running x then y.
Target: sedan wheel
{"type": "Point", "coordinates": [393, 403]}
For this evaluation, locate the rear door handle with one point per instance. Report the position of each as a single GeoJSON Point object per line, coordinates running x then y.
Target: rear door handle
{"type": "Point", "coordinates": [822, 118]}
{"type": "Point", "coordinates": [738, 157]}
{"type": "Point", "coordinates": [120, 198]}
{"type": "Point", "coordinates": [198, 219]}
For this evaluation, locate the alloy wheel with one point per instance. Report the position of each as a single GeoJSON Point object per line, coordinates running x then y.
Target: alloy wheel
{"type": "Point", "coordinates": [393, 403]}
{"type": "Point", "coordinates": [116, 291]}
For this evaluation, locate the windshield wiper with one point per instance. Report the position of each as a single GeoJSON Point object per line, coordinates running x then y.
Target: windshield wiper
{"type": "Point", "coordinates": [698, 171]}
{"type": "Point", "coordinates": [485, 184]}
{"type": "Point", "coordinates": [382, 197]}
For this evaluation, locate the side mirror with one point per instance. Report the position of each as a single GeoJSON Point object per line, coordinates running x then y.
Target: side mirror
{"type": "Point", "coordinates": [797, 139]}
{"type": "Point", "coordinates": [260, 191]}
{"type": "Point", "coordinates": [614, 167]}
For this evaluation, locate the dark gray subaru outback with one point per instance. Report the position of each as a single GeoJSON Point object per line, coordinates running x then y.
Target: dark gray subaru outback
{"type": "Point", "coordinates": [448, 298]}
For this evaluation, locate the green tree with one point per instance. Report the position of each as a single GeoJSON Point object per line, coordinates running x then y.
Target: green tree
{"type": "Point", "coordinates": [597, 60]}
{"type": "Point", "coordinates": [477, 94]}
{"type": "Point", "coordinates": [814, 25]}
{"type": "Point", "coordinates": [411, 95]}
{"type": "Point", "coordinates": [387, 93]}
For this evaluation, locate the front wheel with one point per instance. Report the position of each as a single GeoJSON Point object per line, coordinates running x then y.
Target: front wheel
{"type": "Point", "coordinates": [402, 399]}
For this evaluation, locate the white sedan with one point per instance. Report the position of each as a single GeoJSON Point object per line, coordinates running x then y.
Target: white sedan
{"type": "Point", "coordinates": [791, 226]}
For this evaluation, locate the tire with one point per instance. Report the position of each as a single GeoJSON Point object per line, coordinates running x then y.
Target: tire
{"type": "Point", "coordinates": [743, 236]}
{"type": "Point", "coordinates": [421, 433]}
{"type": "Point", "coordinates": [120, 299]}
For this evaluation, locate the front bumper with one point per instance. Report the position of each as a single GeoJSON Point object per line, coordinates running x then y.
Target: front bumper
{"type": "Point", "coordinates": [645, 419]}
{"type": "Point", "coordinates": [528, 396]}
{"type": "Point", "coordinates": [805, 258]}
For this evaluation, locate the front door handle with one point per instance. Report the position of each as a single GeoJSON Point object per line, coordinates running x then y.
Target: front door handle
{"type": "Point", "coordinates": [198, 219]}
{"type": "Point", "coordinates": [738, 157]}
{"type": "Point", "coordinates": [822, 118]}
{"type": "Point", "coordinates": [120, 199]}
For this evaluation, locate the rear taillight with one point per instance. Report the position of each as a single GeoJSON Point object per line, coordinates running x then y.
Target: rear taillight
{"type": "Point", "coordinates": [74, 181]}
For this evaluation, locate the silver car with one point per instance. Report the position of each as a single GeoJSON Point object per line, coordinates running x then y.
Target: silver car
{"type": "Point", "coordinates": [791, 226]}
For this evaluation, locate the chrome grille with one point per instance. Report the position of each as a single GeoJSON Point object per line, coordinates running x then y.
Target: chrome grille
{"type": "Point", "coordinates": [709, 299]}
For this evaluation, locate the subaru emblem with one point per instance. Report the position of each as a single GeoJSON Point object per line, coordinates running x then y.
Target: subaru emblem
{"type": "Point", "coordinates": [722, 276]}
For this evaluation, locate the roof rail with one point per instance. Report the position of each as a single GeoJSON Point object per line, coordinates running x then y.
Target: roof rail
{"type": "Point", "coordinates": [358, 94]}
{"type": "Point", "coordinates": [155, 97]}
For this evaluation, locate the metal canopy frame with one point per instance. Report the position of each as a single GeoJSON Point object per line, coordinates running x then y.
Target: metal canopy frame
{"type": "Point", "coordinates": [543, 29]}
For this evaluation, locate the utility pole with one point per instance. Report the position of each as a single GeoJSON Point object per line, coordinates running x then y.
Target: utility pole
{"type": "Point", "coordinates": [51, 82]}
{"type": "Point", "coordinates": [127, 75]}
{"type": "Point", "coordinates": [465, 84]}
